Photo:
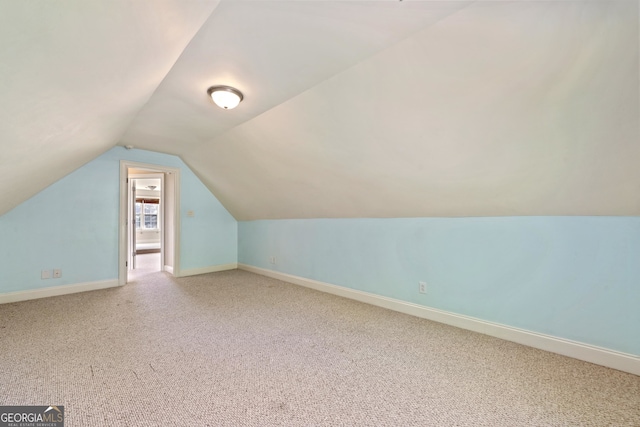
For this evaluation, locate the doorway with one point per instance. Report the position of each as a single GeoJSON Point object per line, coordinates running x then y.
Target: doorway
{"type": "Point", "coordinates": [146, 217]}
{"type": "Point", "coordinates": [149, 218]}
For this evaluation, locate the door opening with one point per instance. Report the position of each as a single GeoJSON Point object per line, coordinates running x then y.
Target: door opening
{"type": "Point", "coordinates": [146, 242]}
{"type": "Point", "coordinates": [149, 218]}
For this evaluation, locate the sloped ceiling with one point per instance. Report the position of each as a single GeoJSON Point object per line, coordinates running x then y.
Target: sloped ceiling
{"type": "Point", "coordinates": [352, 108]}
{"type": "Point", "coordinates": [73, 75]}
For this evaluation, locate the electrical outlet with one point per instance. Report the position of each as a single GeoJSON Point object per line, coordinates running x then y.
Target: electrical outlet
{"type": "Point", "coordinates": [272, 259]}
{"type": "Point", "coordinates": [46, 274]}
{"type": "Point", "coordinates": [57, 273]}
{"type": "Point", "coordinates": [422, 287]}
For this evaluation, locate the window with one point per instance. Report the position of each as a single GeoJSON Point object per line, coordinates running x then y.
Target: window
{"type": "Point", "coordinates": [147, 214]}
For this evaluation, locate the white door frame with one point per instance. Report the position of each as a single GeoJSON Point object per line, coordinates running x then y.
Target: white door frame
{"type": "Point", "coordinates": [123, 228]}
{"type": "Point", "coordinates": [131, 217]}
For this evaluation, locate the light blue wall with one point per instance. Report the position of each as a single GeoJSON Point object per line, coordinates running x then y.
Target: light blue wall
{"type": "Point", "coordinates": [73, 225]}
{"type": "Point", "coordinates": [572, 277]}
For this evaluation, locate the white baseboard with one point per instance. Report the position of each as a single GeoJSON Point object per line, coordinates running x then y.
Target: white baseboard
{"type": "Point", "coordinates": [211, 269]}
{"type": "Point", "coordinates": [56, 290]}
{"type": "Point", "coordinates": [168, 269]}
{"type": "Point", "coordinates": [577, 350]}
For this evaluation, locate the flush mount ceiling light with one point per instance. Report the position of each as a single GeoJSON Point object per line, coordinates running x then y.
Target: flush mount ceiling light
{"type": "Point", "coordinates": [225, 97]}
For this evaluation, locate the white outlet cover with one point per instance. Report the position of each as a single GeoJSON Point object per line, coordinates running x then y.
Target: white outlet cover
{"type": "Point", "coordinates": [57, 273]}
{"type": "Point", "coordinates": [422, 287]}
{"type": "Point", "coordinates": [46, 274]}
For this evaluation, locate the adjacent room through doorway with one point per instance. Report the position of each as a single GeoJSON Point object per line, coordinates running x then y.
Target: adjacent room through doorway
{"type": "Point", "coordinates": [147, 223]}
{"type": "Point", "coordinates": [148, 220]}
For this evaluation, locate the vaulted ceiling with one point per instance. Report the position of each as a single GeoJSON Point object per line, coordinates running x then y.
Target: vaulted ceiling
{"type": "Point", "coordinates": [351, 109]}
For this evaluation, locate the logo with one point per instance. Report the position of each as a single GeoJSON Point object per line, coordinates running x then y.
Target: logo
{"type": "Point", "coordinates": [32, 416]}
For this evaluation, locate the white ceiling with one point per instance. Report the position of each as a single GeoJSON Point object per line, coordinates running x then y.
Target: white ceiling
{"type": "Point", "coordinates": [272, 51]}
{"type": "Point", "coordinates": [144, 183]}
{"type": "Point", "coordinates": [352, 108]}
{"type": "Point", "coordinates": [74, 74]}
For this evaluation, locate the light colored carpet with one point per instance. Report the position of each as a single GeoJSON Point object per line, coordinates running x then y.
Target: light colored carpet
{"type": "Point", "coordinates": [234, 348]}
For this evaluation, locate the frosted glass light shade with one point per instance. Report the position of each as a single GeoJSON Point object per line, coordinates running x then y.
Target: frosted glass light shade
{"type": "Point", "coordinates": [225, 96]}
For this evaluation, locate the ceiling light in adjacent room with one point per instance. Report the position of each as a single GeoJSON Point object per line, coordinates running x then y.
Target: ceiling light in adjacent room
{"type": "Point", "coordinates": [225, 96]}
